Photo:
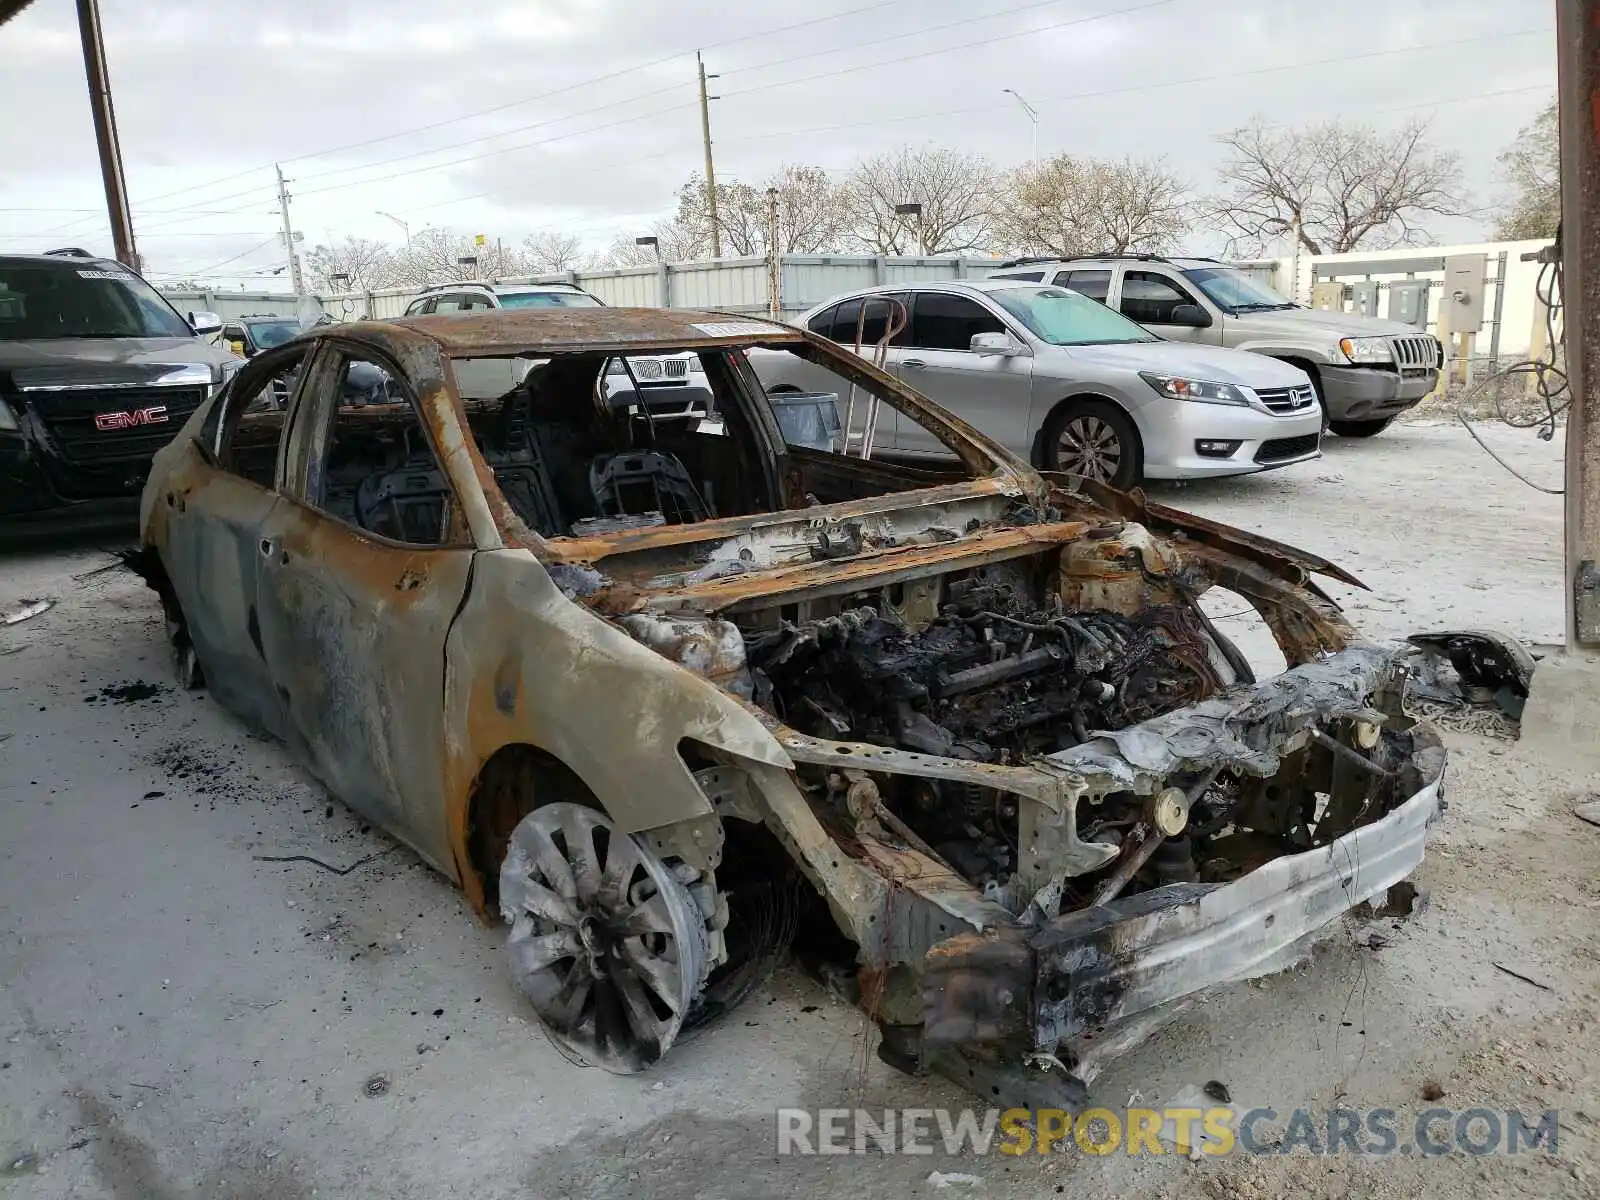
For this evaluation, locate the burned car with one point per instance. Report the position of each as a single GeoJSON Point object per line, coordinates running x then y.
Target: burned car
{"type": "Point", "coordinates": [647, 690]}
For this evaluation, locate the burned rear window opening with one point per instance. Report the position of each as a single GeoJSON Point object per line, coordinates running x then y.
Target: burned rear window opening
{"type": "Point", "coordinates": [975, 715]}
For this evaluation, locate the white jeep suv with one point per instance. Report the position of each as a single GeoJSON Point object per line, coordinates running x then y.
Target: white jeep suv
{"type": "Point", "coordinates": [673, 386]}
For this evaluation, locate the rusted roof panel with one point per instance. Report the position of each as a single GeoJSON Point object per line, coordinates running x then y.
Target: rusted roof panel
{"type": "Point", "coordinates": [566, 330]}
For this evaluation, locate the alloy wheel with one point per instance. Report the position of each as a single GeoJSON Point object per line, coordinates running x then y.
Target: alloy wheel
{"type": "Point", "coordinates": [1089, 447]}
{"type": "Point", "coordinates": [606, 943]}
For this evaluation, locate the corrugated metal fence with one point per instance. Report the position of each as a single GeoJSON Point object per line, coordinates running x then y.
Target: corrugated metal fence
{"type": "Point", "coordinates": [729, 284]}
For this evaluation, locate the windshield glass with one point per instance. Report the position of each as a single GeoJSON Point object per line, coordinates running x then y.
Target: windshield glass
{"type": "Point", "coordinates": [81, 299]}
{"type": "Point", "coordinates": [1234, 292]}
{"type": "Point", "coordinates": [1066, 318]}
{"type": "Point", "coordinates": [268, 334]}
{"type": "Point", "coordinates": [548, 300]}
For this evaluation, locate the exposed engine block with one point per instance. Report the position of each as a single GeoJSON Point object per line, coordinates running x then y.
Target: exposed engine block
{"type": "Point", "coordinates": [992, 678]}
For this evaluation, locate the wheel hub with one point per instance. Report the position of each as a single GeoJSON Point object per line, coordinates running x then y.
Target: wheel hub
{"type": "Point", "coordinates": [607, 944]}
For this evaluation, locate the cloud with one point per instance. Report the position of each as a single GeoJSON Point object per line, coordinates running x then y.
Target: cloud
{"type": "Point", "coordinates": [205, 91]}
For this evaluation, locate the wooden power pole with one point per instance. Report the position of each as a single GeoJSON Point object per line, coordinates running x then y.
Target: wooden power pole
{"type": "Point", "coordinates": [711, 171]}
{"type": "Point", "coordinates": [105, 133]}
{"type": "Point", "coordinates": [1578, 93]}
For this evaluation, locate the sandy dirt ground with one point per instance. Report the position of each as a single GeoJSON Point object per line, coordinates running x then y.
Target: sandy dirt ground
{"type": "Point", "coordinates": [179, 1019]}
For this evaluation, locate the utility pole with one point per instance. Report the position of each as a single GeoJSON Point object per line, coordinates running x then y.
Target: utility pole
{"type": "Point", "coordinates": [288, 235]}
{"type": "Point", "coordinates": [105, 133]}
{"type": "Point", "coordinates": [711, 171]}
{"type": "Point", "coordinates": [774, 257]}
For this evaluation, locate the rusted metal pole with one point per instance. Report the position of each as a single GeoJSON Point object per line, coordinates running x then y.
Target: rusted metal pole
{"type": "Point", "coordinates": [105, 133]}
{"type": "Point", "coordinates": [1578, 71]}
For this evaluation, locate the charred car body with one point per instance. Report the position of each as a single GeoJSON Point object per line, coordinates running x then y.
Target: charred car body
{"type": "Point", "coordinates": [626, 682]}
{"type": "Point", "coordinates": [97, 372]}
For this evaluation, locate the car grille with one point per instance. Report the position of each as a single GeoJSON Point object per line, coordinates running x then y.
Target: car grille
{"type": "Point", "coordinates": [676, 368]}
{"type": "Point", "coordinates": [1417, 353]}
{"type": "Point", "coordinates": [1282, 449]}
{"type": "Point", "coordinates": [1289, 399]}
{"type": "Point", "coordinates": [71, 419]}
{"type": "Point", "coordinates": [645, 368]}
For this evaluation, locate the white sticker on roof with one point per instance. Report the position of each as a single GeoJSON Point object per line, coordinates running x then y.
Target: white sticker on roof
{"type": "Point", "coordinates": [101, 275]}
{"type": "Point", "coordinates": [735, 328]}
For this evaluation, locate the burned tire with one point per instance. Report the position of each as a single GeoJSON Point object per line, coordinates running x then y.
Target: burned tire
{"type": "Point", "coordinates": [1093, 439]}
{"type": "Point", "coordinates": [1360, 429]}
{"type": "Point", "coordinates": [609, 947]}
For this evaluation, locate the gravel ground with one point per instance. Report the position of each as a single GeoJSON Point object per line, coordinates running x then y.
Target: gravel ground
{"type": "Point", "coordinates": [179, 1019]}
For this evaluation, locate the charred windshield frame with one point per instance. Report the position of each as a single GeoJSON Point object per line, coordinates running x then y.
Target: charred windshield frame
{"type": "Point", "coordinates": [1095, 317]}
{"type": "Point", "coordinates": [82, 299]}
{"type": "Point", "coordinates": [1234, 292]}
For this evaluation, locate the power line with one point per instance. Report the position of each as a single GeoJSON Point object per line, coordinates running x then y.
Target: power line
{"type": "Point", "coordinates": [898, 37]}
{"type": "Point", "coordinates": [270, 238]}
{"type": "Point", "coordinates": [674, 108]}
{"type": "Point", "coordinates": [1140, 87]}
{"type": "Point", "coordinates": [655, 62]}
{"type": "Point", "coordinates": [1004, 37]}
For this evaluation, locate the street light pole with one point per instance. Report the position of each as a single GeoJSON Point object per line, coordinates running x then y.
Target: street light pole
{"type": "Point", "coordinates": [105, 133]}
{"type": "Point", "coordinates": [404, 228]}
{"type": "Point", "coordinates": [1033, 116]}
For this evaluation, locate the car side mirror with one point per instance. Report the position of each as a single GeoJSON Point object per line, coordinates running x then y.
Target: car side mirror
{"type": "Point", "coordinates": [990, 345]}
{"type": "Point", "coordinates": [1191, 315]}
{"type": "Point", "coordinates": [204, 322]}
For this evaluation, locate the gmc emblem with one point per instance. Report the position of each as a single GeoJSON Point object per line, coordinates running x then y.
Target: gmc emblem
{"type": "Point", "coordinates": [156, 414]}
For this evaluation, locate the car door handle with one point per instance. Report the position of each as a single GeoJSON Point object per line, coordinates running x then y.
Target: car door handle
{"type": "Point", "coordinates": [914, 364]}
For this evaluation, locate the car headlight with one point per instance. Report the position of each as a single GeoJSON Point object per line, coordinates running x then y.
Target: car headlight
{"type": "Point", "coordinates": [1367, 349]}
{"type": "Point", "coordinates": [8, 419]}
{"type": "Point", "coordinates": [614, 367]}
{"type": "Point", "coordinates": [696, 367]}
{"type": "Point", "coordinates": [1205, 391]}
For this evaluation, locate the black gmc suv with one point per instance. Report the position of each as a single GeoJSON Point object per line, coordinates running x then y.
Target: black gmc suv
{"type": "Point", "coordinates": [97, 372]}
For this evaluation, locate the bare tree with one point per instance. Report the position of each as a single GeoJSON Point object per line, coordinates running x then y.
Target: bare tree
{"type": "Point", "coordinates": [433, 255]}
{"type": "Point", "coordinates": [552, 251]}
{"type": "Point", "coordinates": [366, 263]}
{"type": "Point", "coordinates": [810, 216]}
{"type": "Point", "coordinates": [675, 243]}
{"type": "Point", "coordinates": [956, 191]}
{"type": "Point", "coordinates": [1531, 169]}
{"type": "Point", "coordinates": [1343, 187]}
{"type": "Point", "coordinates": [1073, 205]}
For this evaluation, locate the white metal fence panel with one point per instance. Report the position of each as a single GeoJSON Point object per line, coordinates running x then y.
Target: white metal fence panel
{"type": "Point", "coordinates": [235, 304]}
{"type": "Point", "coordinates": [631, 287]}
{"type": "Point", "coordinates": [738, 285]}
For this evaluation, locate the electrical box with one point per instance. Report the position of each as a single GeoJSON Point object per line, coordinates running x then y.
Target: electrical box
{"type": "Point", "coordinates": [1408, 302]}
{"type": "Point", "coordinates": [1364, 298]}
{"type": "Point", "coordinates": [1463, 292]}
{"type": "Point", "coordinates": [1328, 295]}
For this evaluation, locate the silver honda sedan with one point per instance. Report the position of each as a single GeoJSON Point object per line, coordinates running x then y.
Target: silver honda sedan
{"type": "Point", "coordinates": [1066, 382]}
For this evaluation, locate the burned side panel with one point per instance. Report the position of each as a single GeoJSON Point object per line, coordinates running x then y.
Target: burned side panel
{"type": "Point", "coordinates": [526, 666]}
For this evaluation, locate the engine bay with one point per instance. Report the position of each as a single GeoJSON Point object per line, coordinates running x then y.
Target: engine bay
{"type": "Point", "coordinates": [990, 666]}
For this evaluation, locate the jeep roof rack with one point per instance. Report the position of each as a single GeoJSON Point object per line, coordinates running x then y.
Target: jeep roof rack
{"type": "Point", "coordinates": [1163, 258]}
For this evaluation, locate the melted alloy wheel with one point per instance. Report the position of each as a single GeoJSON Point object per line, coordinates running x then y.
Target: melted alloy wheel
{"type": "Point", "coordinates": [606, 943]}
{"type": "Point", "coordinates": [1089, 447]}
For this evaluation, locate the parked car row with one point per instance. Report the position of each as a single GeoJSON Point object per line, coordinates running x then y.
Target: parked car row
{"type": "Point", "coordinates": [1113, 369]}
{"type": "Point", "coordinates": [1366, 371]}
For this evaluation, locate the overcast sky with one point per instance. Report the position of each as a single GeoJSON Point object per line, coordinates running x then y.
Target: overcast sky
{"type": "Point", "coordinates": [597, 120]}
